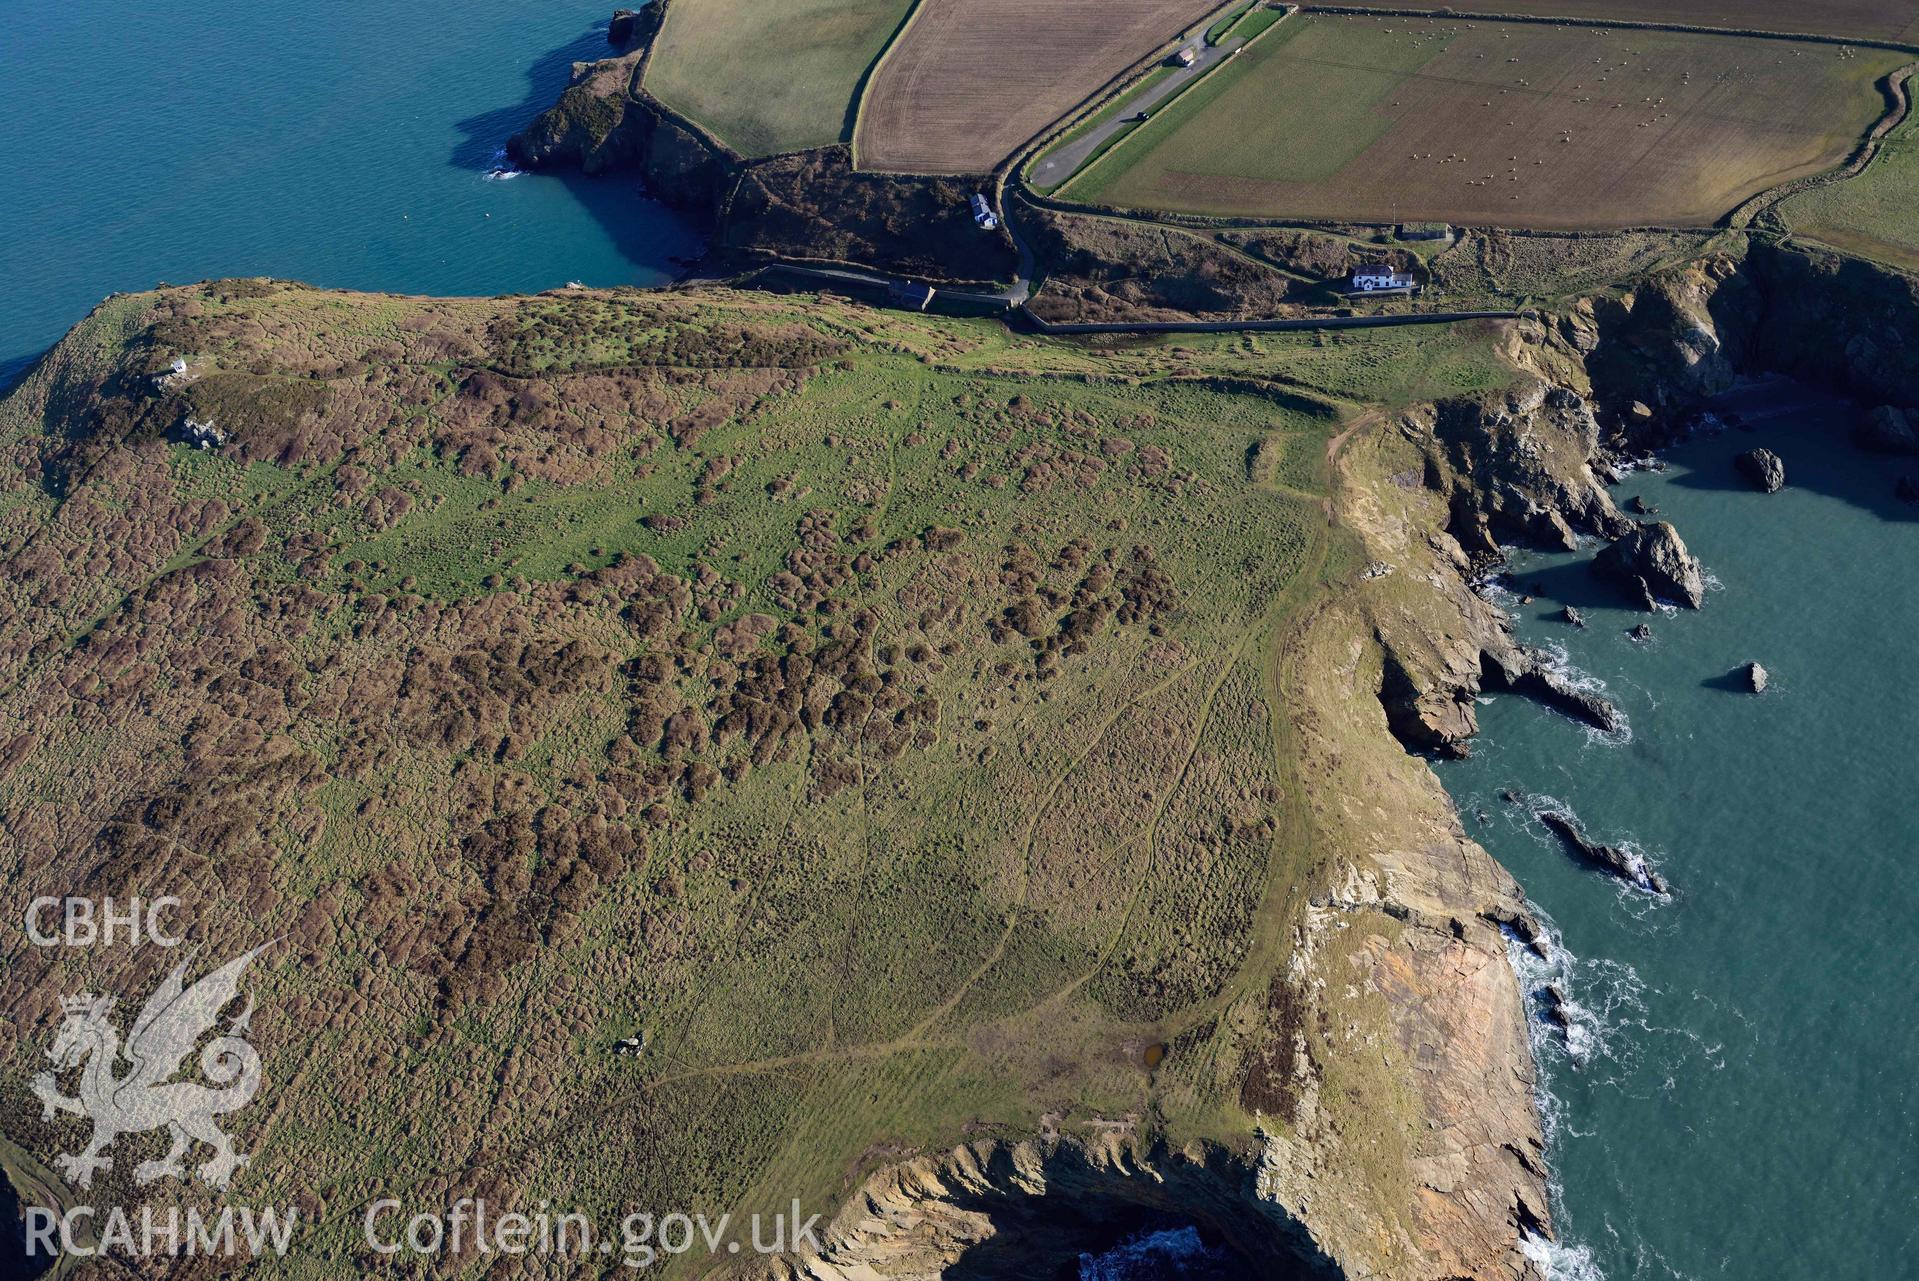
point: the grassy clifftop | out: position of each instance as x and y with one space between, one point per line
885 719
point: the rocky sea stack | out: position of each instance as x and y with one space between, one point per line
1622 863
1651 562
1763 468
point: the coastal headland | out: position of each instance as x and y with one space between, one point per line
742 746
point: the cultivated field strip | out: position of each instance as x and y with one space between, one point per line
970 80
1489 123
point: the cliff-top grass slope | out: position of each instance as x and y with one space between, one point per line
769 78
970 80
1860 19
1509 124
896 732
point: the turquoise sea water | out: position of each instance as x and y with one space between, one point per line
1745 1107
344 144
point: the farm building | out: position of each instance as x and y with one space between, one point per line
983 213
1370 280
1186 57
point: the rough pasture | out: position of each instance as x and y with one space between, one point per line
1504 124
969 82
1861 19
770 78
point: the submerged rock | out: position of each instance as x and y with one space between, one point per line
1652 564
1573 616
1552 1005
1757 678
1763 468
1624 864
1888 430
1643 632
1641 507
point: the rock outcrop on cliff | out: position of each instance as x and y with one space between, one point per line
1518 467
1651 563
594 127
808 206
998 1209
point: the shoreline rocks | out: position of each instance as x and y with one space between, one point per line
1623 864
1763 468
1530 672
1887 430
1651 562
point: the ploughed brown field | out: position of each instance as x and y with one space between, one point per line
971 80
1862 19
1495 123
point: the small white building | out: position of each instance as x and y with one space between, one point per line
983 213
1370 280
1186 57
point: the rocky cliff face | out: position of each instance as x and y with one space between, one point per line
809 205
1614 377
1030 1208
1400 951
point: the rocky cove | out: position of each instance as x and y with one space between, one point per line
1435 494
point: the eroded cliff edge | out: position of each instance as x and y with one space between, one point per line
804 206
1402 940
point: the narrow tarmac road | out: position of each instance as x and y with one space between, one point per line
1063 162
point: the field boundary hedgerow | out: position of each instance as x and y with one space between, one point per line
1619 24
1764 208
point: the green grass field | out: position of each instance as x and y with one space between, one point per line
1875 214
770 78
1378 119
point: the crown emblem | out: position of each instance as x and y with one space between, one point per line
80 1004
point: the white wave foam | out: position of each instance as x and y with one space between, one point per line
1555 658
501 170
1634 894
1560 1260
1172 1252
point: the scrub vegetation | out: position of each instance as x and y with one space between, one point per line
880 717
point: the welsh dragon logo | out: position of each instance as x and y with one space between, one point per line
146 1097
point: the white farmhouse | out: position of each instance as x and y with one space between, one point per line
1369 280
